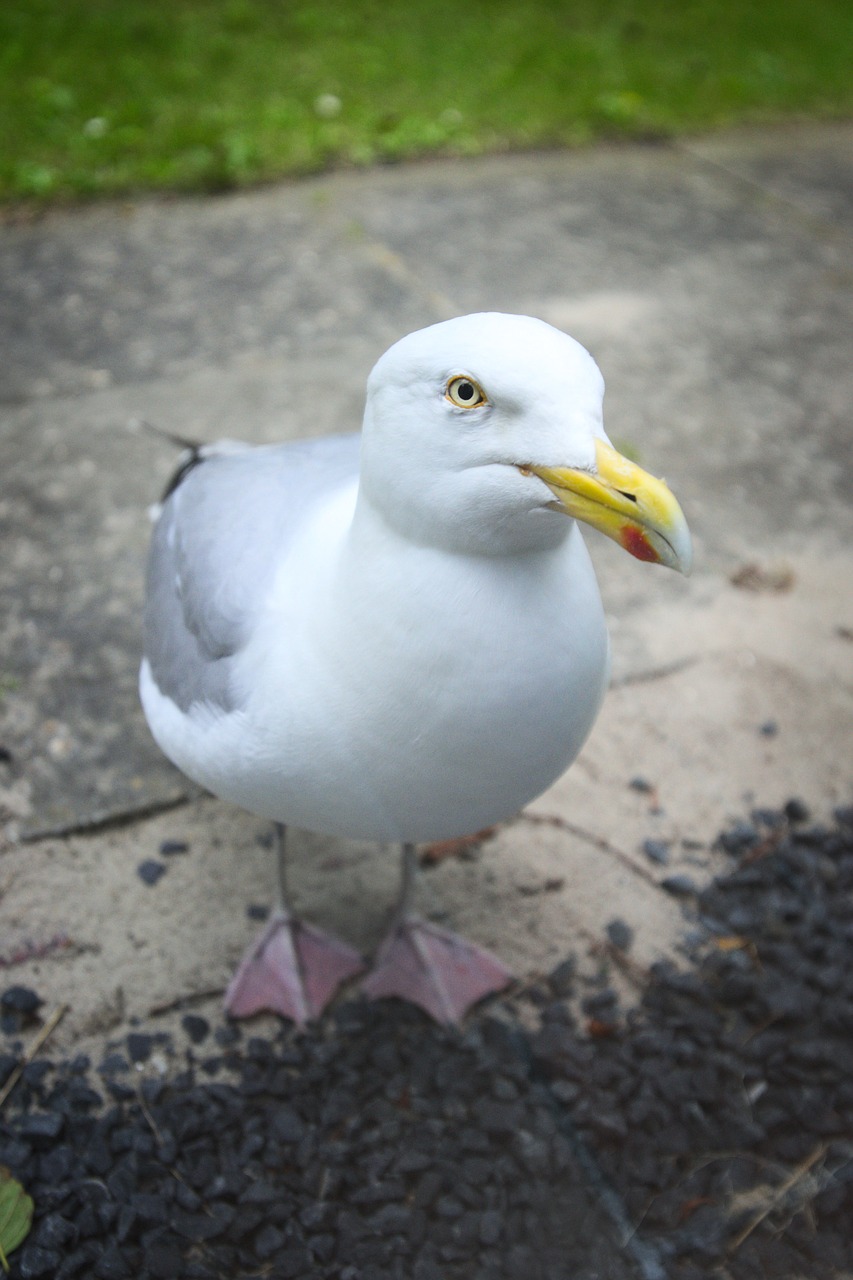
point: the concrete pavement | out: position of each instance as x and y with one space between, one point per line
712 283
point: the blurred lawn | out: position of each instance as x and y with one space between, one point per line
108 96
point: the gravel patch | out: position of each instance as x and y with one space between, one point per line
708 1128
721 1107
375 1146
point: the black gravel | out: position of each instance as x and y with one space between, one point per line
169 848
721 1107
707 1130
151 871
376 1146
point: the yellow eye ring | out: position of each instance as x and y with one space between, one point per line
465 393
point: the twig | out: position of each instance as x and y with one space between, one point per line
777 1196
143 1105
181 1002
553 820
656 673
30 1052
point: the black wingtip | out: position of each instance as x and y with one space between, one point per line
182 471
193 449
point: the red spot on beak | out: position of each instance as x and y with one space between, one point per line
636 542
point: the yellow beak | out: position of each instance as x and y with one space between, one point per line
625 503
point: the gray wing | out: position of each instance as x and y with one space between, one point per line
214 551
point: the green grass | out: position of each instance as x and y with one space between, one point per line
111 96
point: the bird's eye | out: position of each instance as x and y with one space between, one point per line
465 393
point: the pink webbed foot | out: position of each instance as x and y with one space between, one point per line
292 969
436 969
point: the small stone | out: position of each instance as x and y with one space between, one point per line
139 1046
768 729
268 1241
197 1028
78 1262
391 1219
35 1072
679 886
151 871
163 1261
54 1232
620 934
287 1126
771 818
257 911
656 851
490 1227
562 979
642 785
57 1165
323 1247
34 1262
20 1000
119 1091
739 837
228 1035
112 1265
448 1206
41 1127
169 848
114 1064
796 810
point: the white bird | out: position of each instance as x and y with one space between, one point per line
397 636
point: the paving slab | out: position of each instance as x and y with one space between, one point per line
721 318
807 170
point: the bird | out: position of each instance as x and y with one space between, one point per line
396 635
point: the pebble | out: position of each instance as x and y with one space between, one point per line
21 1000
41 1128
680 886
169 848
656 851
796 811
139 1046
740 836
562 979
197 1028
112 1265
34 1262
151 871
114 1063
620 934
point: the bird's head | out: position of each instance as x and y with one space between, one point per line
478 429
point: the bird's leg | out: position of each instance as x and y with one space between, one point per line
291 968
429 966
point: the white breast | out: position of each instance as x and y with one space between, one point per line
421 696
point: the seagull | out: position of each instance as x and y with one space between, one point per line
396 635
